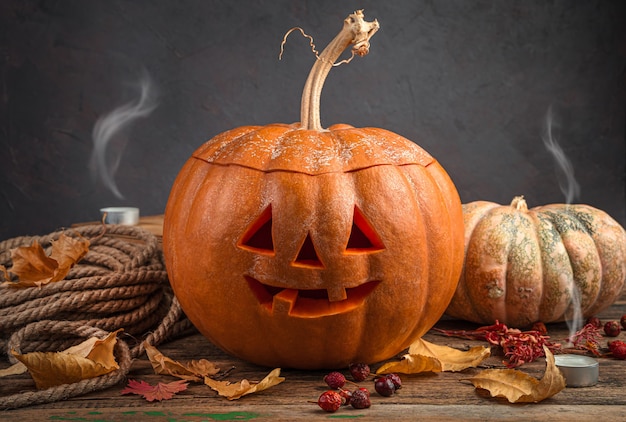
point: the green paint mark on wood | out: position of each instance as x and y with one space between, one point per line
229 416
154 413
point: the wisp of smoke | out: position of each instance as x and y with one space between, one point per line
570 187
571 190
104 162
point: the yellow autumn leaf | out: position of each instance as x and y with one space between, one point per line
81 349
411 364
194 370
15 369
102 351
33 267
233 391
67 251
519 387
451 359
49 369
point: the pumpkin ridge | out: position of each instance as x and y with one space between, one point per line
563 227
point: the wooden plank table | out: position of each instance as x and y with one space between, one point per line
441 396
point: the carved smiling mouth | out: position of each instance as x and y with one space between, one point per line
308 303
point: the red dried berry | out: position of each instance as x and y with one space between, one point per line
359 371
540 327
612 328
365 390
618 349
346 396
622 321
360 399
335 380
395 378
330 401
595 321
384 386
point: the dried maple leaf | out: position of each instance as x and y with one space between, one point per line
518 387
33 267
161 391
49 369
195 370
233 391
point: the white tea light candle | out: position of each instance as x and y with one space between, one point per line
579 371
128 216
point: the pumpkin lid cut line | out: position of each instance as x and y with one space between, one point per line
281 147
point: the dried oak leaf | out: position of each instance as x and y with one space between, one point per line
33 267
411 364
195 370
518 387
233 391
451 359
428 357
90 359
81 349
161 391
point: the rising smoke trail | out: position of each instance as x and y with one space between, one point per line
104 162
569 187
571 190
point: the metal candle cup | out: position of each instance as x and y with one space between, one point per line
121 215
579 371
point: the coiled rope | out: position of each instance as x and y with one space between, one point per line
120 283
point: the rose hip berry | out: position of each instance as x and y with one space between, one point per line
346 396
359 371
618 349
335 380
612 328
622 321
395 378
360 399
540 327
365 390
595 321
330 401
384 386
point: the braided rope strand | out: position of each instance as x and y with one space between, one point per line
120 283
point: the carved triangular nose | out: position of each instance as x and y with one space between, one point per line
307 256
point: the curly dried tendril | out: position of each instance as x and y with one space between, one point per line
360 48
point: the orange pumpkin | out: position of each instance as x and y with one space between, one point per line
551 263
296 246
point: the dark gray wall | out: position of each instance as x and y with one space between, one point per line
470 81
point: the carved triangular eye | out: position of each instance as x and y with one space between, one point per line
307 257
258 236
363 237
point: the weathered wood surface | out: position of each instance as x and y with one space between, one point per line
442 396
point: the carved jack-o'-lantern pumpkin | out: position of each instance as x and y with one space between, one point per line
296 246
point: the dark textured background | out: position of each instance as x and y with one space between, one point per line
470 81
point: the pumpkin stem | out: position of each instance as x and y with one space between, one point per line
355 31
519 203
